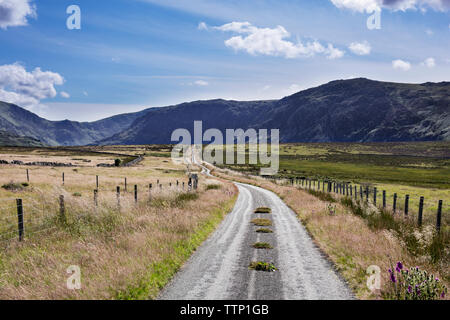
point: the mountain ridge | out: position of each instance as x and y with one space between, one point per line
353 110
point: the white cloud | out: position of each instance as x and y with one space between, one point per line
64 94
360 48
14 13
401 65
293 88
201 83
202 26
429 62
25 88
272 42
396 5
429 32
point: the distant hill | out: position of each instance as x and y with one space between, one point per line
21 122
11 140
356 110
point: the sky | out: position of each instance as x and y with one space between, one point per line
127 55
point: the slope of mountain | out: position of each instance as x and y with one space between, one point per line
21 122
356 110
11 140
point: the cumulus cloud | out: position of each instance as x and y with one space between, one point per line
396 5
401 65
360 48
429 62
25 88
273 42
15 13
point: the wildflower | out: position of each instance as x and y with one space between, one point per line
409 289
443 294
393 279
399 266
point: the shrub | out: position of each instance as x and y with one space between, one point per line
414 284
13 186
117 162
76 194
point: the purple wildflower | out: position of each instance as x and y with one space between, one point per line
409 289
399 266
393 279
443 295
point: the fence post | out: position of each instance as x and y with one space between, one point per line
62 208
439 216
20 218
135 194
356 193
125 184
394 205
28 176
406 204
384 199
361 193
375 196
95 197
96 180
63 178
118 197
420 211
351 191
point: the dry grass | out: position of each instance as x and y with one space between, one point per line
115 249
345 238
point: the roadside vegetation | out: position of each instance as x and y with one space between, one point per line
125 249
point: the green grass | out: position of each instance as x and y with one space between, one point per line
213 187
262 266
263 210
262 245
264 230
262 222
160 273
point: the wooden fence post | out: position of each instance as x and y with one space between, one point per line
406 204
96 180
28 176
118 197
439 216
20 218
62 208
361 193
420 211
356 193
96 197
135 193
125 184
351 191
394 205
384 199
63 178
375 196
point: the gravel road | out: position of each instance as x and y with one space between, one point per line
218 270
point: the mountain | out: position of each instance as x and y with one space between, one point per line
356 110
11 140
21 122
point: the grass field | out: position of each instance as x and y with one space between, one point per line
124 252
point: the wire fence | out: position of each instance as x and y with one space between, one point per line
27 216
418 208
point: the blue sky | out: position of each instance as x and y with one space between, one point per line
132 54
